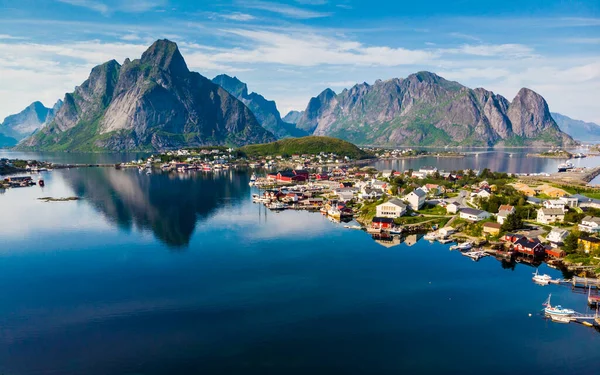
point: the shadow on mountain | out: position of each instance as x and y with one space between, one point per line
167 204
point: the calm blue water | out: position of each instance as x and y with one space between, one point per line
172 274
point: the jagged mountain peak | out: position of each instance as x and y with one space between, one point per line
151 103
165 55
427 109
232 84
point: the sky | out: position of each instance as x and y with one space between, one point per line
290 51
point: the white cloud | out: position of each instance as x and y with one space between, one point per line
90 4
128 6
284 9
237 16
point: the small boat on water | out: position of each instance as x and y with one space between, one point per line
475 255
276 206
431 236
558 313
541 279
462 246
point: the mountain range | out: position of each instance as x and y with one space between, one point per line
151 103
580 130
16 127
428 110
264 110
156 103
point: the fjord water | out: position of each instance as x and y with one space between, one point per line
179 274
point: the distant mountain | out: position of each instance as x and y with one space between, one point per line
427 110
265 110
23 124
306 145
293 116
580 130
153 103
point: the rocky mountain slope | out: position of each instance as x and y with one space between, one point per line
428 110
152 103
264 110
293 116
16 127
580 130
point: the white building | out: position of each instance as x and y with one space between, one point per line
557 235
550 215
393 208
472 214
554 203
503 213
415 199
453 208
590 224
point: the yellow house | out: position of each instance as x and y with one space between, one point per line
554 192
589 244
492 228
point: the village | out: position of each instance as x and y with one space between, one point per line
494 212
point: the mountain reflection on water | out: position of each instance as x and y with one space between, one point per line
167 204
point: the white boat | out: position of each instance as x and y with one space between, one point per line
431 236
558 313
276 206
462 246
541 279
475 255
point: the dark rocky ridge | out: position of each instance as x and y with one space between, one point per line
264 110
153 103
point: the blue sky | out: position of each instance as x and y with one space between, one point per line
291 50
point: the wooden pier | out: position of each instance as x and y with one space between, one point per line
584 282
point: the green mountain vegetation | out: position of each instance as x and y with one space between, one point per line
305 145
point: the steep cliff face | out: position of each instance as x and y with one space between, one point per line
21 125
264 110
425 109
148 104
316 108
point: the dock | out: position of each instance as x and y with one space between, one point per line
584 282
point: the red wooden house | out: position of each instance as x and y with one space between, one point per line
382 223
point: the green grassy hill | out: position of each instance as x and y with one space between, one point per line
305 145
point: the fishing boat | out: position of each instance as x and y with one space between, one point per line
558 313
541 279
462 246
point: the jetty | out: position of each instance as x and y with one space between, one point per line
584 282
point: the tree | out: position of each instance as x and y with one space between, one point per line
570 243
512 222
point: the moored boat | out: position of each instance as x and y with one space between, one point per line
541 279
557 313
